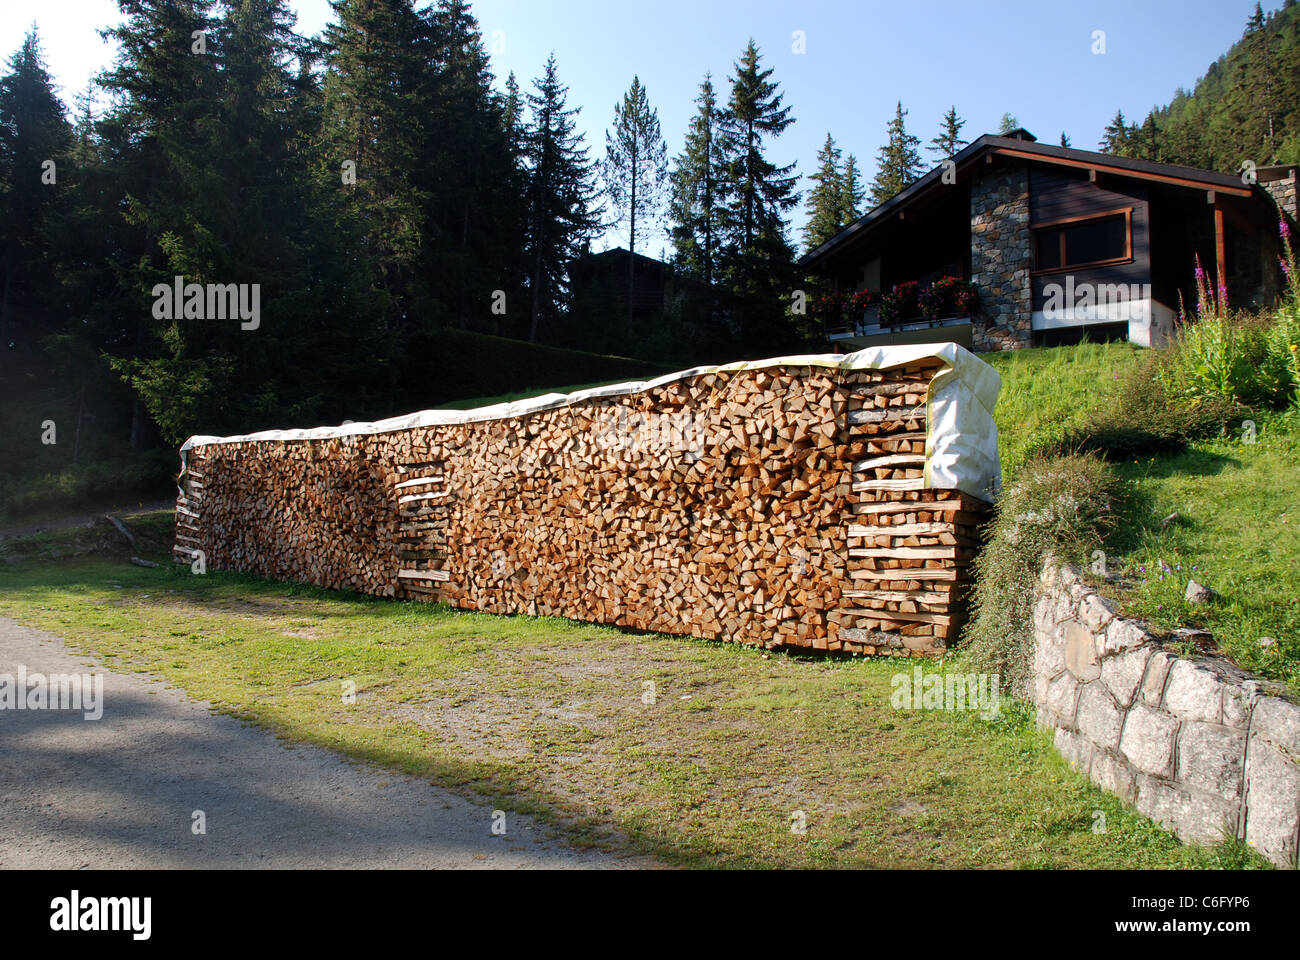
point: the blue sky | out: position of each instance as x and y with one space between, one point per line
1032 58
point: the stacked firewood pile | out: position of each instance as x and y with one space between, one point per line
783 507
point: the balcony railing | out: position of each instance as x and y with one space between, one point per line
870 325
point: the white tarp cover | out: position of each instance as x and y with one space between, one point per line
961 449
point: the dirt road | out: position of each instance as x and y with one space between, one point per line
123 791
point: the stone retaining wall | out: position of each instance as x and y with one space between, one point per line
1198 745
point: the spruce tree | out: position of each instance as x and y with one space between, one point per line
34 133
469 163
635 170
1118 136
563 210
898 163
949 140
826 198
158 141
697 182
851 192
1257 84
375 82
758 257
760 191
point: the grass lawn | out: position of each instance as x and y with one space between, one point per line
1237 531
1238 524
1048 390
547 716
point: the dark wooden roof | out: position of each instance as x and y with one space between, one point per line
1017 147
616 253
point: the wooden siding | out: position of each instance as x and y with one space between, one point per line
1061 194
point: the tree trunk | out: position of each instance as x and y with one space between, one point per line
139 426
4 301
631 260
536 291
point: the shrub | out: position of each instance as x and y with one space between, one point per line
1061 507
1144 420
1226 357
87 485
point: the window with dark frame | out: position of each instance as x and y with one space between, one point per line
1083 242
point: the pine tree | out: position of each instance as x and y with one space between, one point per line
1008 124
563 201
33 133
635 171
949 142
1065 141
697 184
898 163
761 192
1118 136
469 163
1257 84
758 257
375 121
826 199
851 192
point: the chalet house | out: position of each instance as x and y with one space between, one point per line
603 279
1057 243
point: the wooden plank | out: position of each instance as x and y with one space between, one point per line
415 497
930 597
906 553
916 483
892 437
888 460
902 529
439 575
918 617
418 481
888 388
920 573
1139 174
1220 254
888 415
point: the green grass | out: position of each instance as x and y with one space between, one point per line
1237 532
1238 525
1047 391
546 716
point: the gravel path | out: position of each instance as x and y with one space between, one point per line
120 792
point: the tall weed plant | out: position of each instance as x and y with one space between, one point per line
1221 355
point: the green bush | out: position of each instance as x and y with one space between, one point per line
149 475
1062 507
1228 358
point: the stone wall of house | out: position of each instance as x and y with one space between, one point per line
1283 192
1198 745
1001 256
